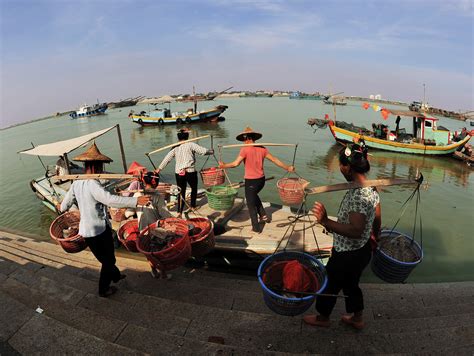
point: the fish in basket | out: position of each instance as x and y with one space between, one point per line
212 176
128 234
165 243
291 190
64 230
221 197
395 257
290 281
201 234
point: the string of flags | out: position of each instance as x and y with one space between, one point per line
383 111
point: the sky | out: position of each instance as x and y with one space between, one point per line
58 54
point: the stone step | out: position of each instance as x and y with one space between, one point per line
44 335
13 315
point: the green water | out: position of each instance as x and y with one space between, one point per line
447 204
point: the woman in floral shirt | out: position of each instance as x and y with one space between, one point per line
358 216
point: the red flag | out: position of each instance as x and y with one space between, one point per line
366 106
385 113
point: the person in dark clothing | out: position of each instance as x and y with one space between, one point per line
359 216
253 157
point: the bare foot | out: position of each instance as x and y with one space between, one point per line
316 320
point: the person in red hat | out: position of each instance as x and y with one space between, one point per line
92 200
253 158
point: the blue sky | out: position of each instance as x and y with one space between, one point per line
58 54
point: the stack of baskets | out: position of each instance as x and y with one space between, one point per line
128 234
270 276
291 190
201 235
212 176
391 269
69 221
221 197
175 254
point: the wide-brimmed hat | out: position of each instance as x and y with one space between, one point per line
136 168
249 132
93 154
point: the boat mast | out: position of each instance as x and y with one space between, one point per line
195 100
122 152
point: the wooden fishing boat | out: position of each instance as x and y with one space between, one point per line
464 157
52 191
427 138
166 117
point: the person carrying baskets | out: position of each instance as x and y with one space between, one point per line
92 200
185 170
253 158
359 215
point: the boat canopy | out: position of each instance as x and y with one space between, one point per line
64 147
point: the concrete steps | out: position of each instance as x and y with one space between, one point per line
182 315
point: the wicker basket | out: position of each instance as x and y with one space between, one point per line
164 190
68 220
212 176
221 197
270 274
390 269
175 254
128 234
118 215
291 190
202 236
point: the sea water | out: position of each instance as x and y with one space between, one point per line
446 205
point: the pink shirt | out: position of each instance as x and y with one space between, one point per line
253 159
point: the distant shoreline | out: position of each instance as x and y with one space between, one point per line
26 122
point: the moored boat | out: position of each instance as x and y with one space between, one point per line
87 110
166 117
426 138
303 96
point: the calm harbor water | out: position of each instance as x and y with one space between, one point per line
447 204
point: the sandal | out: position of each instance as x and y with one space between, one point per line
348 320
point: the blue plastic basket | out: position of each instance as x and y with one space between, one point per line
291 306
390 269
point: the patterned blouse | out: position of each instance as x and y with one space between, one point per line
359 200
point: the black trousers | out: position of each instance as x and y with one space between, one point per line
190 178
254 204
344 270
102 246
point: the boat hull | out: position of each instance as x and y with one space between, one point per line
205 116
343 135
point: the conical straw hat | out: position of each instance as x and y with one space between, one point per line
250 132
93 154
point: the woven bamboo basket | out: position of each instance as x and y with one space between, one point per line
164 190
175 254
69 220
221 197
201 236
212 176
128 234
118 215
291 190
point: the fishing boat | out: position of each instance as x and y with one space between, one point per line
465 158
52 191
335 100
426 138
297 95
87 110
164 116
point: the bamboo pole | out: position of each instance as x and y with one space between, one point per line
92 176
122 152
259 144
177 144
352 185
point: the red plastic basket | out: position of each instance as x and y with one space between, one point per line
71 244
128 233
202 236
212 176
291 190
176 253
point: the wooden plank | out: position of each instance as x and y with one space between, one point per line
92 176
352 185
259 144
177 144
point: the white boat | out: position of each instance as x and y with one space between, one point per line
87 110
